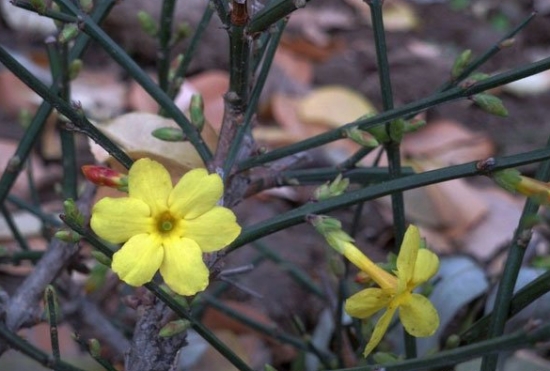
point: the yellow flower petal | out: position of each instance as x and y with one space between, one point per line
150 182
117 219
361 261
183 269
419 317
195 193
213 230
138 259
367 302
407 256
379 330
427 264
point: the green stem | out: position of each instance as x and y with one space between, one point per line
505 290
165 34
52 320
352 161
408 109
51 96
49 13
518 340
33 131
181 71
13 227
527 295
130 66
359 175
299 214
33 352
254 98
272 331
35 210
497 47
222 8
272 13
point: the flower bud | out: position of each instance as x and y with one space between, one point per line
74 68
71 211
490 104
169 134
104 176
174 328
68 33
196 111
332 189
513 181
147 23
361 137
461 62
94 347
68 236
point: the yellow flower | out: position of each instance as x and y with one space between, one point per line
414 267
165 228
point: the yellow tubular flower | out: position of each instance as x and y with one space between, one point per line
164 227
414 267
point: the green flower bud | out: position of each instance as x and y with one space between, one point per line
72 212
174 328
74 68
68 33
196 111
461 62
361 137
490 104
68 236
94 347
147 23
331 189
169 134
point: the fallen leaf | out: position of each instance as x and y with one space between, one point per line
132 132
333 106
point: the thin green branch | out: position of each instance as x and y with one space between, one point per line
518 340
273 13
525 296
35 210
78 119
88 26
505 291
13 228
491 52
51 305
298 215
21 345
408 109
272 331
49 13
360 175
32 133
177 81
165 34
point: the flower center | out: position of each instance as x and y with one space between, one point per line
165 222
